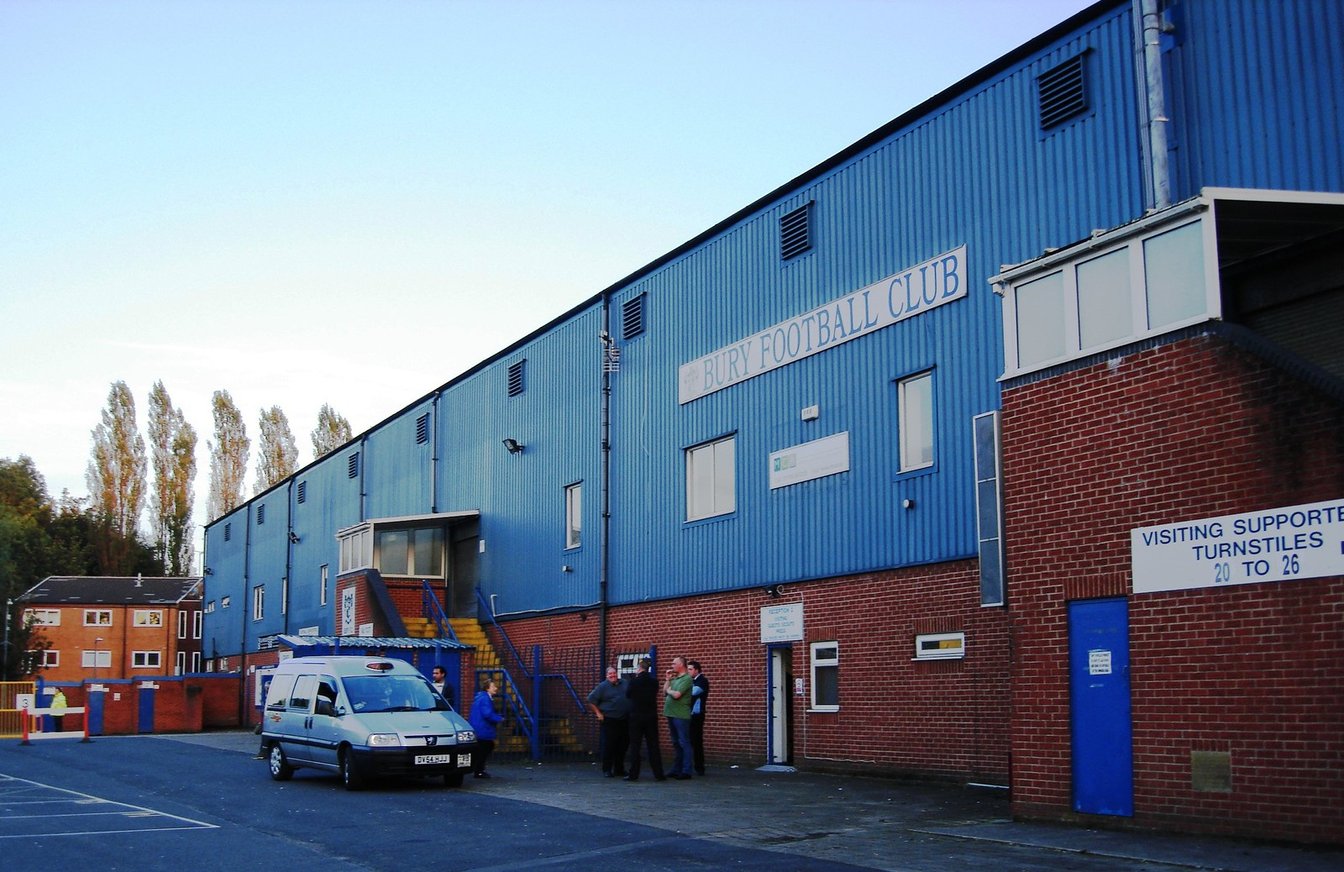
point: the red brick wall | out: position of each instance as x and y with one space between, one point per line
1197 428
946 718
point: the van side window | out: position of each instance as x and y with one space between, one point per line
278 694
326 690
302 698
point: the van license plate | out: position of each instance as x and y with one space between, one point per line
432 759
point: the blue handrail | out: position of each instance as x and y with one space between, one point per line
432 609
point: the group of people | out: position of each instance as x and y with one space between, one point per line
627 714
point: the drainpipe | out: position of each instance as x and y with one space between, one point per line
1155 88
243 608
289 554
607 343
363 464
434 453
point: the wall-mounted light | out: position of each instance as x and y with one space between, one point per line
907 503
514 446
209 571
293 538
772 591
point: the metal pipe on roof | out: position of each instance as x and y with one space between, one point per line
1155 87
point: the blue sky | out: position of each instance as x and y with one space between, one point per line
353 202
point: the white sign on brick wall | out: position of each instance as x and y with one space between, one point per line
1284 544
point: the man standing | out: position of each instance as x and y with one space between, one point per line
612 708
699 697
440 682
643 695
677 709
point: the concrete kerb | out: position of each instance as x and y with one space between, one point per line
854 819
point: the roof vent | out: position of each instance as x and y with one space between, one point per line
795 232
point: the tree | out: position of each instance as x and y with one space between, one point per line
173 449
277 452
228 456
332 431
116 480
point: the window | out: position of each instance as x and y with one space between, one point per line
940 646
574 515
145 659
147 618
826 676
42 617
515 383
224 601
323 594
181 666
96 659
45 659
415 551
181 625
258 602
196 619
795 232
356 547
915 424
210 607
988 507
97 618
195 661
710 479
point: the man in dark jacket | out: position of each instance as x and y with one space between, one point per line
643 696
699 698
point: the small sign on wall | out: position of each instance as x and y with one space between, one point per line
1098 662
348 612
783 623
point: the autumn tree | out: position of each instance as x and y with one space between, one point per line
228 456
173 453
276 451
116 480
332 431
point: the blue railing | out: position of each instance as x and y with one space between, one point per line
432 610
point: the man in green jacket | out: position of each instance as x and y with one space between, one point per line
677 710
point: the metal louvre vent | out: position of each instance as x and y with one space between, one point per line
632 318
795 233
261 514
422 429
302 492
352 465
516 378
1062 92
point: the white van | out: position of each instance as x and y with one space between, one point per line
361 717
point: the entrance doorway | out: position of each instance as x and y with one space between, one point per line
1103 751
779 730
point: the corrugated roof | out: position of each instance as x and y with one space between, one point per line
367 642
112 590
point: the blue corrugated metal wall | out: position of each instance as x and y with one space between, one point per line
1253 91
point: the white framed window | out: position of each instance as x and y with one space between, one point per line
147 618
825 676
416 551
181 624
181 666
146 659
96 659
196 620
259 602
97 617
42 617
224 601
356 547
323 586
45 659
195 661
711 472
574 515
210 607
915 421
940 646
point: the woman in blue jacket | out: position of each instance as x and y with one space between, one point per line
483 718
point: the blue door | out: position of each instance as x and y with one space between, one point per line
93 700
1103 753
146 721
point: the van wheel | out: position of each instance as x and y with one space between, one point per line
350 776
280 768
454 779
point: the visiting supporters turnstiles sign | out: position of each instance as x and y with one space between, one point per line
1282 544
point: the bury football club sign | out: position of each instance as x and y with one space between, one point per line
1282 544
905 294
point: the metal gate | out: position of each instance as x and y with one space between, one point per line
11 720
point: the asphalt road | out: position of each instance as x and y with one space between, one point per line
153 803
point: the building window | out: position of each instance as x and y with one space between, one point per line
825 676
97 618
196 620
45 659
988 507
42 617
356 547
915 421
181 625
574 515
323 593
940 646
259 602
181 663
515 384
147 618
416 551
195 661
224 601
711 479
145 659
96 659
